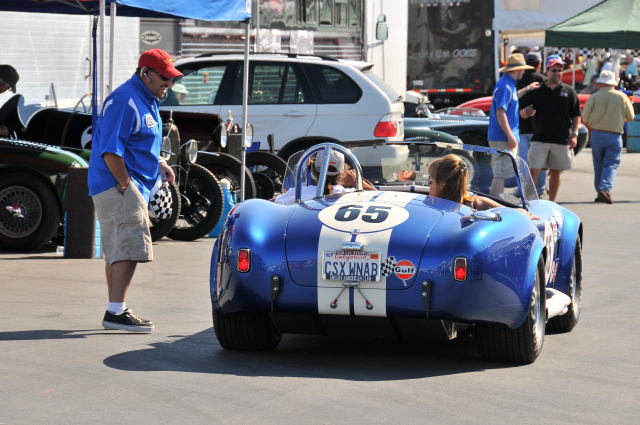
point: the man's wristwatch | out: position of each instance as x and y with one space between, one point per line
575 132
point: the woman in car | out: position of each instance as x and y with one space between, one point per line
336 178
449 178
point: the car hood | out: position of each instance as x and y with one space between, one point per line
384 222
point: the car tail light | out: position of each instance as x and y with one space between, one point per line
244 260
460 269
386 127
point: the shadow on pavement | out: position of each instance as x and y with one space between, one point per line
311 357
41 334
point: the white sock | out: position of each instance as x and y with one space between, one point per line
116 308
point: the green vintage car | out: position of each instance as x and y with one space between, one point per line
33 181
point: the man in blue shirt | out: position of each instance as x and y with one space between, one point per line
504 118
124 166
632 68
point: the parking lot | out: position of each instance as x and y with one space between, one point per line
57 364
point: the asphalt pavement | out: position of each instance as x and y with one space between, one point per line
57 364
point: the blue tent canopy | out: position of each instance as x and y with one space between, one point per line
207 10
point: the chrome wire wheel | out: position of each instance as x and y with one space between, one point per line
21 211
576 290
536 317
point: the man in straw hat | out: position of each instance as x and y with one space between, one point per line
504 118
555 126
605 112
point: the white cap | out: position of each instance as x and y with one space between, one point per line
336 162
179 88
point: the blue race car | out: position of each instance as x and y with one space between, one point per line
398 263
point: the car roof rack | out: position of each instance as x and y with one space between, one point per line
290 55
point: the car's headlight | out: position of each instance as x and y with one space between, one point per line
190 150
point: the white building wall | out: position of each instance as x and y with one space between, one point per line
52 48
390 58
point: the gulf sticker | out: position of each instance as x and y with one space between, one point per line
404 270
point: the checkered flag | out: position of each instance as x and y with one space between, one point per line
160 201
387 267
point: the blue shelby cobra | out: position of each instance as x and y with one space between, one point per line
397 262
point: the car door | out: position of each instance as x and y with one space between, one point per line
279 102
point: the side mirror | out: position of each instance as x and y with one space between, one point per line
382 30
249 137
223 135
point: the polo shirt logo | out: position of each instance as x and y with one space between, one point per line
150 122
564 94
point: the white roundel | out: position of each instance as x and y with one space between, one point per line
363 216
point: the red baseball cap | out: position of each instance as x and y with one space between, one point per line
160 61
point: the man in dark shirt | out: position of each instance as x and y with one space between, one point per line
526 124
555 126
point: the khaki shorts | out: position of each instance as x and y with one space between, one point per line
502 166
550 156
124 225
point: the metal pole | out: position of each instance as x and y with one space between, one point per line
112 41
101 59
575 62
245 101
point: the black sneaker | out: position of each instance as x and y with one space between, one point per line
127 321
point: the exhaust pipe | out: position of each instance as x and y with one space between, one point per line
557 303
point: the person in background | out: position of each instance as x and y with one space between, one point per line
8 79
526 124
605 112
504 117
632 68
555 126
589 69
449 179
181 93
124 166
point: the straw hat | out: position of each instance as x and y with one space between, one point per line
514 63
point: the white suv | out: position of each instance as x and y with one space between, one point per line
302 100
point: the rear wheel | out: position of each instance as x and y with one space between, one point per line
268 171
226 166
29 212
158 227
246 331
524 343
569 320
203 210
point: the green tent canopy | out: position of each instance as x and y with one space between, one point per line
610 24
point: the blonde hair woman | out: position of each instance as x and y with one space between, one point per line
449 178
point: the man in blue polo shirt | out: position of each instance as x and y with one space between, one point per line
125 163
504 118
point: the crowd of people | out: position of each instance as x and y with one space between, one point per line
538 118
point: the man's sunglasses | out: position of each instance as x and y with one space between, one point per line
554 70
163 78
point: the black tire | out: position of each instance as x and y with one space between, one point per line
40 209
265 186
268 164
524 343
206 202
226 166
160 228
569 320
246 331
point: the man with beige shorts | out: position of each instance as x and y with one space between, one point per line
555 126
124 166
504 118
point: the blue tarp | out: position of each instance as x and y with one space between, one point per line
207 10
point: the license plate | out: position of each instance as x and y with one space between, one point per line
351 265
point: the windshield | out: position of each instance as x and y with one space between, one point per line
408 165
405 167
35 98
